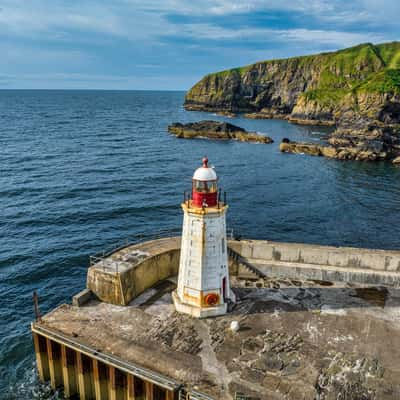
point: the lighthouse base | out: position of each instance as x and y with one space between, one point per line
198 312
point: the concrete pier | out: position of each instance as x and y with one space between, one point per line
86 375
125 274
325 263
121 338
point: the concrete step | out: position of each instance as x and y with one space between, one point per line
246 269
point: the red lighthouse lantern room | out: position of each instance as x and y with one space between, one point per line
204 188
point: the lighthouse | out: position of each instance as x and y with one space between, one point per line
203 280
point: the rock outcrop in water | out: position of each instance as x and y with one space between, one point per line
216 130
355 89
370 143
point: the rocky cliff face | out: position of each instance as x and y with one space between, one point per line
359 81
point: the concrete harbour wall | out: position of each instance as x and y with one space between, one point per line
327 263
121 287
344 257
291 260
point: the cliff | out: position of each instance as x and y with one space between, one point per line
358 82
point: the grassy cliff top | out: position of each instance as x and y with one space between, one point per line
365 67
385 54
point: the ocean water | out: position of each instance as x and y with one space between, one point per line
83 170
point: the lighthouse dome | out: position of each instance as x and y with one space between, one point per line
205 173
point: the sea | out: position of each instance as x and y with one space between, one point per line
83 171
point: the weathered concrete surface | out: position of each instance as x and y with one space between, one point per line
298 340
125 274
128 272
309 261
82 297
328 273
385 260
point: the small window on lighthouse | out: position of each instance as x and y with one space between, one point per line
205 186
223 245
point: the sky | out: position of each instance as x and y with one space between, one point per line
171 44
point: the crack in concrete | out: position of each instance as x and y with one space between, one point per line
210 361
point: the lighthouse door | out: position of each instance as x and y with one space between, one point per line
224 288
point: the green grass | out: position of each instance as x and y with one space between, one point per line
365 68
390 54
326 97
361 68
386 81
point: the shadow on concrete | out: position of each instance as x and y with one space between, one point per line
324 298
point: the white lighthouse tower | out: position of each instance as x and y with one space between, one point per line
203 280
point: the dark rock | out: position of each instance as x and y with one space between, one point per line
300 148
216 130
396 160
315 90
227 114
362 143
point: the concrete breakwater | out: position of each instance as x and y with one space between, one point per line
122 276
328 263
125 274
122 338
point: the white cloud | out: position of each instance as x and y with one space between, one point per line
212 32
338 11
319 8
329 37
94 35
38 17
139 20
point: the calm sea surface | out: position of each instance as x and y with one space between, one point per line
83 170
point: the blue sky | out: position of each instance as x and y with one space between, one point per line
170 44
